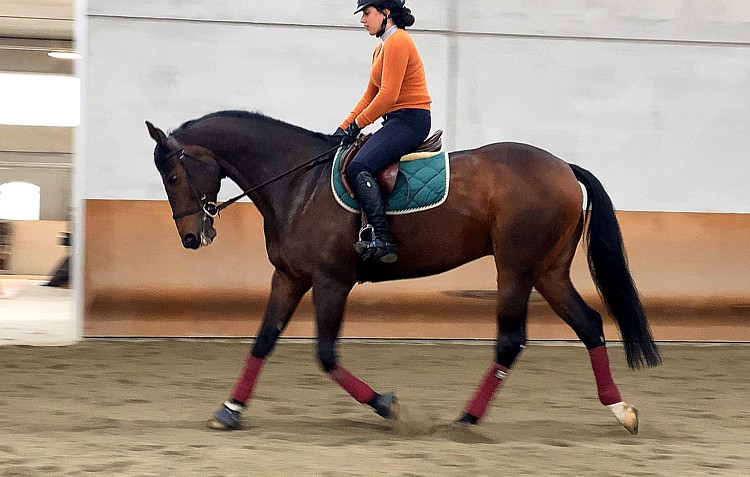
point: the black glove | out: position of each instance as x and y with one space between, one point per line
339 132
350 134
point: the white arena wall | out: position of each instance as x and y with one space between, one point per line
650 95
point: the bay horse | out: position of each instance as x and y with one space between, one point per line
514 201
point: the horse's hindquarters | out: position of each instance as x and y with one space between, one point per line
516 201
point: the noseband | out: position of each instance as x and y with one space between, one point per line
207 207
210 208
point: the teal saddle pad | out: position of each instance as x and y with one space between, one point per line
422 184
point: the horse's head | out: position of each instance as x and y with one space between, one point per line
192 177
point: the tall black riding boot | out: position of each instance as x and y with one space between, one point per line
381 248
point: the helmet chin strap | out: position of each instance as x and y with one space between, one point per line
384 24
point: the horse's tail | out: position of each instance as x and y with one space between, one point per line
609 270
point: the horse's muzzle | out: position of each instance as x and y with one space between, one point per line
191 241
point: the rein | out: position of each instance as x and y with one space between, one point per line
211 209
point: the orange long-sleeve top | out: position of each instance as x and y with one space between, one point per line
397 81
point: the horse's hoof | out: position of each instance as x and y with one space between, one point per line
225 419
627 415
467 419
386 405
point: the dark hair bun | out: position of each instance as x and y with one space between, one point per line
402 16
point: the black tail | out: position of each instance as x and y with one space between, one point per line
609 270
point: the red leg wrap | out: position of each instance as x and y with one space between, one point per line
351 384
485 392
243 390
608 392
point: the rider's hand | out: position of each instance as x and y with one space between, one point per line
339 132
350 134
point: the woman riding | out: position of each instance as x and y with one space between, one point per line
397 92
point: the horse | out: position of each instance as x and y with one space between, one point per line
514 201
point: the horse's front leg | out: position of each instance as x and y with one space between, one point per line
286 293
329 299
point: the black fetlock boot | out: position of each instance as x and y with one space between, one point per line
381 248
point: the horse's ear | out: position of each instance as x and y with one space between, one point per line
157 134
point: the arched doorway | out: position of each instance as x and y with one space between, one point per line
19 201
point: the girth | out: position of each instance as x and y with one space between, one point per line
386 177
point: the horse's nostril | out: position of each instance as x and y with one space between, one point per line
190 241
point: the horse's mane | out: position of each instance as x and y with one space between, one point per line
254 116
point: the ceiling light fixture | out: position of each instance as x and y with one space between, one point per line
64 55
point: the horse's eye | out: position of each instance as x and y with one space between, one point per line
173 179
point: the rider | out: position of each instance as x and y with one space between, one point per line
397 91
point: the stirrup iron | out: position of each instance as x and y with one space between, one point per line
366 235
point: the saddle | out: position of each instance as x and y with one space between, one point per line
386 177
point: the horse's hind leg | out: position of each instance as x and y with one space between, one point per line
512 309
329 300
286 293
556 287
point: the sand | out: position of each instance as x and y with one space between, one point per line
138 408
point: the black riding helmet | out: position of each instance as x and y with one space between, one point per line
362 4
380 5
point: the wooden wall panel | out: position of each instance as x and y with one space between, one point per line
692 271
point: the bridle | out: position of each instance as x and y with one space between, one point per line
207 207
210 208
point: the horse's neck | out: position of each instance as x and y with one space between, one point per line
284 197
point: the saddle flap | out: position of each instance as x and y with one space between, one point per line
387 179
351 151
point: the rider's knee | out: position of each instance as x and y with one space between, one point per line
354 169
327 355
